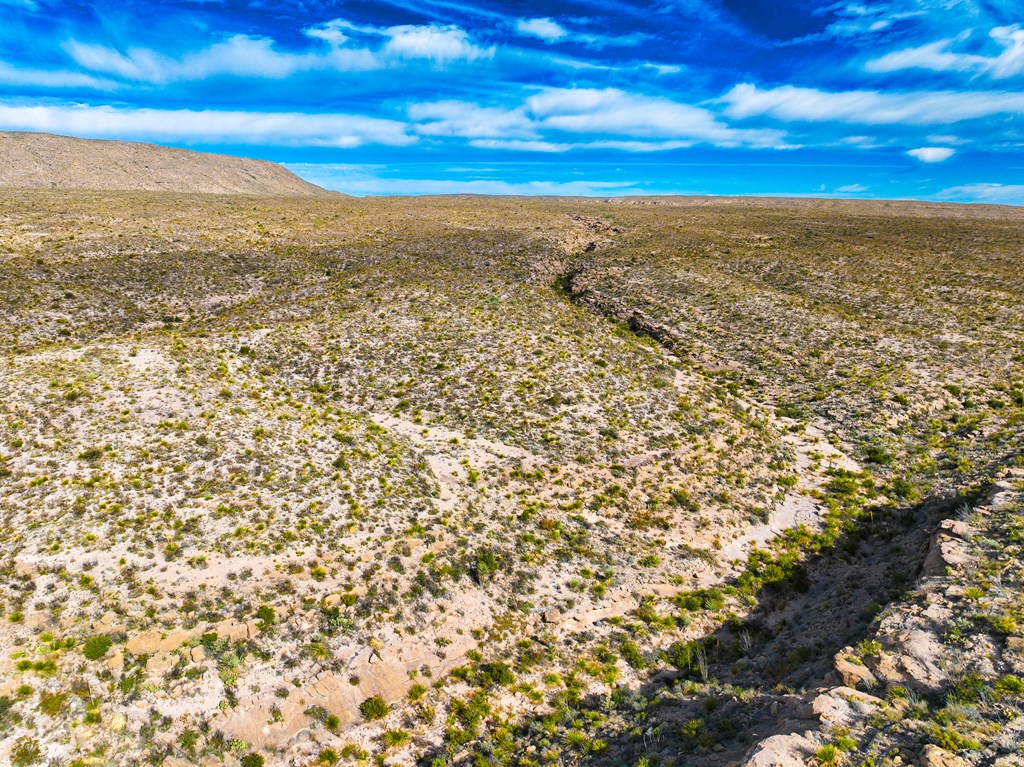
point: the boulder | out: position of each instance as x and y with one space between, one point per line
844 706
174 640
782 751
853 674
147 643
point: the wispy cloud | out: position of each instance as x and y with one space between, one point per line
59 79
208 126
240 56
620 113
468 120
939 56
259 57
791 103
367 180
554 118
1001 194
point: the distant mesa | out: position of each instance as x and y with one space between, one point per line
47 161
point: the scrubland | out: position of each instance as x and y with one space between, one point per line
509 481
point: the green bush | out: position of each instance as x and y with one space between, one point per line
373 708
96 647
252 760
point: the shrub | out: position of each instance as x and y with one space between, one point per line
252 760
1010 685
26 751
328 756
52 703
395 738
96 647
827 755
373 708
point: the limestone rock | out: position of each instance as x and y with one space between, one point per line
147 643
232 631
917 664
553 616
174 640
844 707
948 550
107 624
782 751
161 663
853 674
933 756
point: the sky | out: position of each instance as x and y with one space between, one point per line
895 99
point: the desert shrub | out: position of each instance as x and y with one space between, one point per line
491 674
252 760
395 738
26 751
52 703
827 755
373 708
1010 685
96 647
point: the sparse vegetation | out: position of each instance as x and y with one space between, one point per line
436 478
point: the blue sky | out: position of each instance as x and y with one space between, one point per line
893 99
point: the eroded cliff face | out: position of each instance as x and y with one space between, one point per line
939 680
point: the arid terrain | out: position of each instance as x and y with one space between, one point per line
499 481
48 161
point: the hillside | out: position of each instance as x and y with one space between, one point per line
46 161
453 481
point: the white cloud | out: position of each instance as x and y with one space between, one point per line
544 28
330 32
931 153
620 113
938 56
239 55
439 44
1000 194
851 189
248 56
468 120
870 107
607 118
207 126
